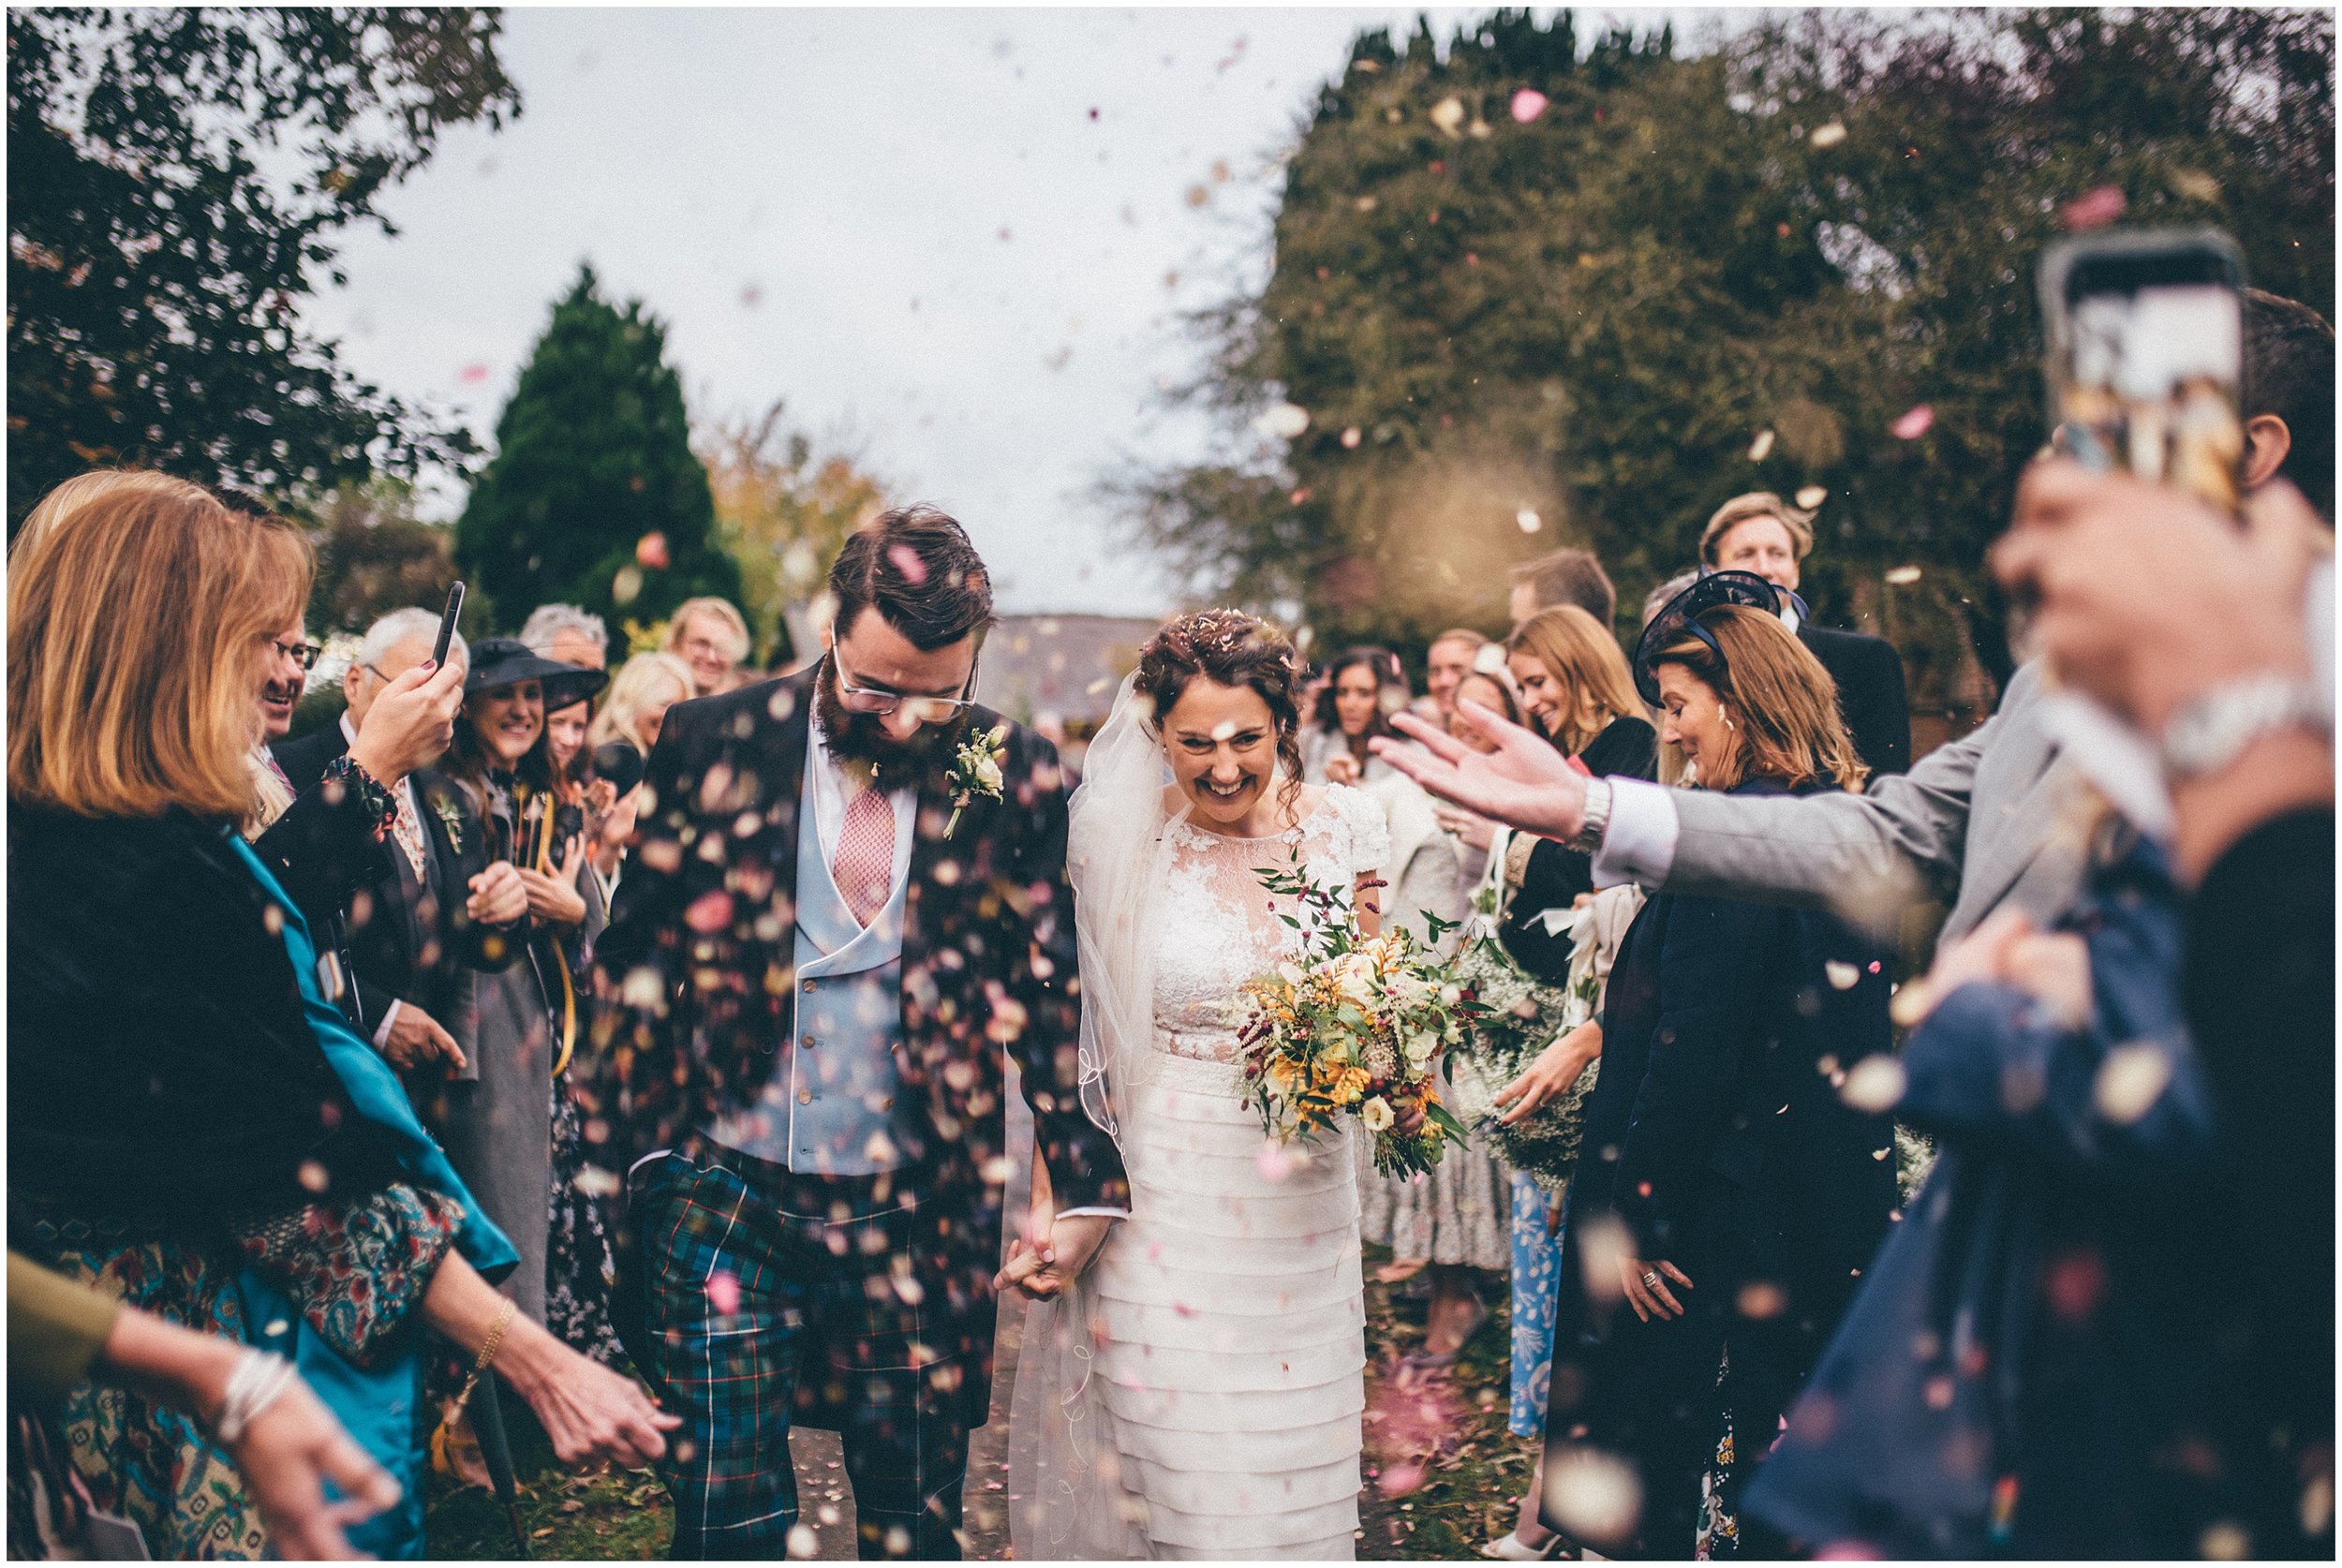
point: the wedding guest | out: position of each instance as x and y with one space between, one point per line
1363 687
1670 770
495 1113
644 687
2132 1413
287 1445
195 1128
712 638
1727 1200
406 933
1446 662
1563 577
1760 532
1576 692
565 633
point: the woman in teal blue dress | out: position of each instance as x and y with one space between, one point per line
194 1128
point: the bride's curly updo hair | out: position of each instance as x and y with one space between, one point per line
1229 648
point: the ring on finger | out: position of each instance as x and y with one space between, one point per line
1649 1281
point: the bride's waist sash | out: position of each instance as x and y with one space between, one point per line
1192 1059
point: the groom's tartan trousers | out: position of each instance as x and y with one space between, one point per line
769 1293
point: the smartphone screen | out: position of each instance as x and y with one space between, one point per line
2146 356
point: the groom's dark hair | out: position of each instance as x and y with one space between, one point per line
915 567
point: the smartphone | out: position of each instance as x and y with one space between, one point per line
447 624
2145 356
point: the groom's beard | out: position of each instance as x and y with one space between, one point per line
859 737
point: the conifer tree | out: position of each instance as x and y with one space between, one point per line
594 496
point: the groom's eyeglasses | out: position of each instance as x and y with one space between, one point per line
878 703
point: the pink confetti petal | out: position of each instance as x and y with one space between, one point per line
2094 209
723 1292
907 561
1914 424
650 552
1275 1162
1528 104
472 375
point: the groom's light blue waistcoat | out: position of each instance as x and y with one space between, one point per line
832 1106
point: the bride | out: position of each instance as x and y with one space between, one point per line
1198 1392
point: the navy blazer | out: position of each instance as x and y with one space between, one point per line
1717 1137
2020 1376
1873 698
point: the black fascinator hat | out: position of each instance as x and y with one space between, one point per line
1681 618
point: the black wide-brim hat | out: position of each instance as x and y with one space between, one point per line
498 662
1681 618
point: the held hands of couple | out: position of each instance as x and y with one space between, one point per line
1042 1265
410 723
1526 782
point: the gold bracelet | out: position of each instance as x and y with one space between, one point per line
487 1354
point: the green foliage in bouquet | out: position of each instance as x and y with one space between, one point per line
1519 1018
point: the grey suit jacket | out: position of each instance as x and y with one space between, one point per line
1993 818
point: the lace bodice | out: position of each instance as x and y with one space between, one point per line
1217 927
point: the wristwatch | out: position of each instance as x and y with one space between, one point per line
2212 730
1597 818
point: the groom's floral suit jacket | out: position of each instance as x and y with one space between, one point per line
698 964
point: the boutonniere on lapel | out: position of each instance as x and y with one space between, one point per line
976 771
449 819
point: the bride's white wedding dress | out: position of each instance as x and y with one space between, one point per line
1230 1308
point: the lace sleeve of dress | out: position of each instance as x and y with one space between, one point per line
1362 833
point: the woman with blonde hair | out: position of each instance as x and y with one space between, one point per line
1576 690
1727 1201
197 1131
640 694
711 637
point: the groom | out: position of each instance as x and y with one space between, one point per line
833 924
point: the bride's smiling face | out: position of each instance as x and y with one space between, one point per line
1223 745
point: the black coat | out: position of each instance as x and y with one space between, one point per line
1716 1136
323 849
399 941
1872 696
161 1065
1627 748
697 968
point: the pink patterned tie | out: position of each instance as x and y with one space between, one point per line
865 866
407 830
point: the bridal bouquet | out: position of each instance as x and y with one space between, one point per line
1354 1025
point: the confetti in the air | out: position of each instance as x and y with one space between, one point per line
1282 421
1828 134
1527 105
907 561
1448 115
751 295
1913 424
723 1292
1760 448
1842 977
1594 1496
627 586
2129 1081
472 375
1365 203
650 552
2094 209
1197 195
1903 576
1875 1084
1529 520
1812 497
1276 1161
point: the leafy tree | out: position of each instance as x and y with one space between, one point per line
594 496
376 556
783 511
1599 311
176 179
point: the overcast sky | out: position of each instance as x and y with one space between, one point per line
956 241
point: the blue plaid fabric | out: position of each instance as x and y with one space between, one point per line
769 1296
